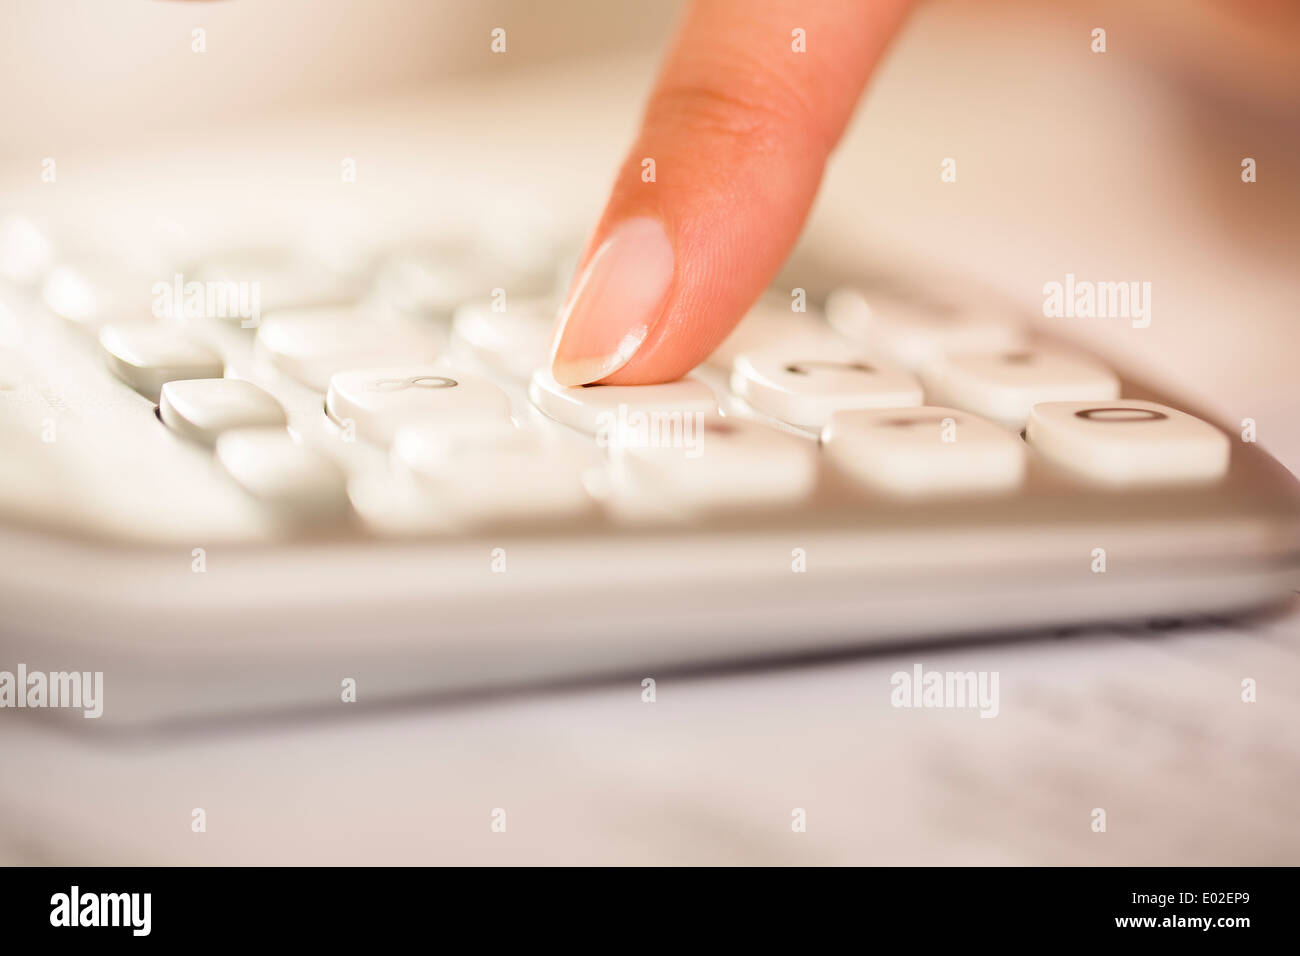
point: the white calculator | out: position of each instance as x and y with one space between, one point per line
371 477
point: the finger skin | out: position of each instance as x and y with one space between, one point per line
739 126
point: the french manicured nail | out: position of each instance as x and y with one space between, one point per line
615 303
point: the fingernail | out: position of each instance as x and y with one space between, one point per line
615 303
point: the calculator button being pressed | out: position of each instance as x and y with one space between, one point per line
913 335
928 450
147 356
203 408
600 409
717 463
1003 386
804 386
272 467
310 345
1128 442
378 400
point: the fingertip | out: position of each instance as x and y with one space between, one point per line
713 194
616 302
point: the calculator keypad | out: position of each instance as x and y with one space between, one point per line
492 473
1128 442
201 409
378 400
912 335
310 345
900 398
1004 386
716 463
928 450
805 385
148 356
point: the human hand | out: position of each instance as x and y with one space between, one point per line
717 186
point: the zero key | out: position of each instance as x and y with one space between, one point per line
1128 442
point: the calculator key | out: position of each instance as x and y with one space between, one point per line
912 334
601 409
203 408
1128 441
718 463
804 386
274 468
377 400
1003 386
924 451
492 472
772 323
513 341
310 345
147 356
